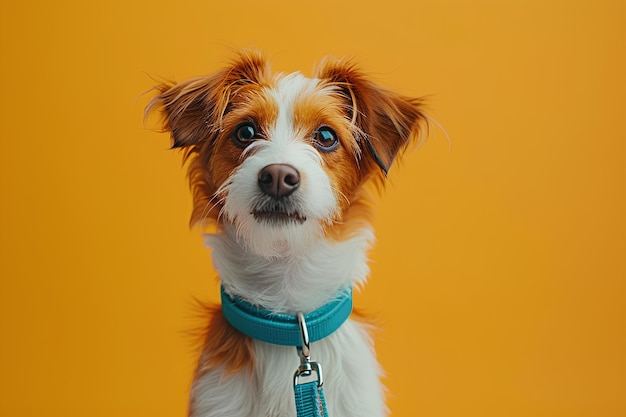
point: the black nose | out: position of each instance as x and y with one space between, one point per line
279 180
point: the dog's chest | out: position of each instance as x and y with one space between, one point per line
351 380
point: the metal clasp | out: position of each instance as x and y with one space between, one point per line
307 367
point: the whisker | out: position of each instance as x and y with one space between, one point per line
211 203
338 191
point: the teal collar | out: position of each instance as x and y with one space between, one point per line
283 329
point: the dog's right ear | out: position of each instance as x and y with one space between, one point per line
387 122
192 110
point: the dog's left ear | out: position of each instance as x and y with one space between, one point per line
386 122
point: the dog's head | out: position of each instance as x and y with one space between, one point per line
284 159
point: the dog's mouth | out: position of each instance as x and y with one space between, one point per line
278 217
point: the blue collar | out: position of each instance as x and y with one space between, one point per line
283 329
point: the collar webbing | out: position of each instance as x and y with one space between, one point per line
283 329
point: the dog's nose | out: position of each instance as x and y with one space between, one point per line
279 180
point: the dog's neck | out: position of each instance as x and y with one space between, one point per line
292 283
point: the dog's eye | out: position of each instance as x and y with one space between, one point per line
244 133
325 139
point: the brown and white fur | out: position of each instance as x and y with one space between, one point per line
283 167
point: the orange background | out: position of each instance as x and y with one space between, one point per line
499 272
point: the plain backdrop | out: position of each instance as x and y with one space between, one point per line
498 275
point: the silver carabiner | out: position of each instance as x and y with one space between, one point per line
307 367
306 370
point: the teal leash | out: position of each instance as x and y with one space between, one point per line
299 331
310 400
309 396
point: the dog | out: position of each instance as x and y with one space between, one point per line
284 168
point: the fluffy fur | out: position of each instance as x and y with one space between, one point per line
338 133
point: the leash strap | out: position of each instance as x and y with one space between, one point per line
309 396
310 400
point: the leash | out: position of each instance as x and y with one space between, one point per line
299 331
309 396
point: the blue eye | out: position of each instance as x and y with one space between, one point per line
325 139
244 133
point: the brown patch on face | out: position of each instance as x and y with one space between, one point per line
198 114
215 163
325 108
354 177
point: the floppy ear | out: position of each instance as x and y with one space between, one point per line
387 122
193 109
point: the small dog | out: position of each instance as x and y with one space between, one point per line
284 168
